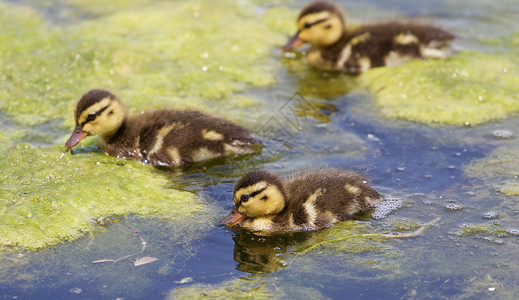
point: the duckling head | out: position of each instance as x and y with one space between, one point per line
98 112
257 194
320 24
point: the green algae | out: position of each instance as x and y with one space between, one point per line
185 56
467 89
250 287
48 196
498 170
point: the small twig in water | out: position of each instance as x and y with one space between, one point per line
143 242
374 235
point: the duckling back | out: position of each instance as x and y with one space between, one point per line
321 198
388 44
171 138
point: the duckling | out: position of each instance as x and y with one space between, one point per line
266 203
321 24
163 137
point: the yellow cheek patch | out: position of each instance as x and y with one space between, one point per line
211 135
249 190
93 109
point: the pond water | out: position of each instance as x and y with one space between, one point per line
226 59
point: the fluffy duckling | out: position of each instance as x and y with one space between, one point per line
162 137
266 203
321 24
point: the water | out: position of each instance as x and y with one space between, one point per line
319 119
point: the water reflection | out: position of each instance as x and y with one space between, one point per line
265 254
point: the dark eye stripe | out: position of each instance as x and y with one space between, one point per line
97 114
257 192
308 25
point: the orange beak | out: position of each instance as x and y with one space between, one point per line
294 43
77 135
234 217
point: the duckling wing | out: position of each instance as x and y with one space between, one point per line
391 44
178 137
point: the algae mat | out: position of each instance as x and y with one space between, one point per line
47 197
468 89
185 56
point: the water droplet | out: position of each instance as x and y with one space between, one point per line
502 134
491 215
76 290
453 207
386 206
204 68
196 14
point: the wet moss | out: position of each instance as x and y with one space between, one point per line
251 287
47 198
498 170
186 56
468 89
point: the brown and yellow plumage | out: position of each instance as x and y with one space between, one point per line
264 202
321 24
162 137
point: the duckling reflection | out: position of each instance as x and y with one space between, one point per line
264 254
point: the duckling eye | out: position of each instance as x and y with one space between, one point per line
91 117
307 25
328 26
244 198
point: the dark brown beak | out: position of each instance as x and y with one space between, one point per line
76 137
294 43
234 217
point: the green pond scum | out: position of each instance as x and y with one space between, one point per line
48 196
186 56
250 287
499 170
60 210
467 89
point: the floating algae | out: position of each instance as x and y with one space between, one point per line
170 54
467 89
47 197
499 170
251 287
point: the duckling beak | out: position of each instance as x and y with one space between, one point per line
77 135
234 217
294 43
